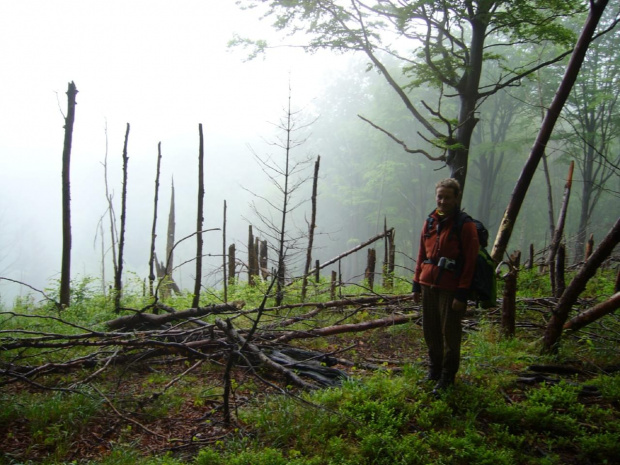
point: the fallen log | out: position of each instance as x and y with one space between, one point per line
149 320
593 314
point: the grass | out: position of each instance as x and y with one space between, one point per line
385 416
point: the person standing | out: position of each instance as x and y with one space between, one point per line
443 274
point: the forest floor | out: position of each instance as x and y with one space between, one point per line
188 426
184 426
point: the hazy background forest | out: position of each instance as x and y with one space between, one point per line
166 68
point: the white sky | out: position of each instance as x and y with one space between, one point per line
161 66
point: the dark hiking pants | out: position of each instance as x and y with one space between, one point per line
442 331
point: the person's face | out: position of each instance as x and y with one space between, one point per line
446 200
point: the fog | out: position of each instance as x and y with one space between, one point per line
164 68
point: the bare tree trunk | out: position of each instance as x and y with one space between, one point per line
390 256
589 247
121 242
370 268
103 284
111 215
65 270
560 267
165 272
559 231
560 314
509 297
311 229
154 228
225 280
263 258
232 260
199 221
251 257
593 314
530 262
572 70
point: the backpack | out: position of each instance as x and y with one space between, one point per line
483 288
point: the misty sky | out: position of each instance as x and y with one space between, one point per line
161 66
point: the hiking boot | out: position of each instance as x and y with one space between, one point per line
442 385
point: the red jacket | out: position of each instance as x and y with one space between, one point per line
440 240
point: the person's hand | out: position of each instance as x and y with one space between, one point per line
459 306
416 297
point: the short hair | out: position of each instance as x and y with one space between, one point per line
450 183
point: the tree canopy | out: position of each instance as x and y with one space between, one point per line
443 45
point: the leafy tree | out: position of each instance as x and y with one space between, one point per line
444 45
538 149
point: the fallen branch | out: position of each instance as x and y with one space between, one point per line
235 337
348 328
593 314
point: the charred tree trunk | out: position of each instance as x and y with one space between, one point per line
199 220
559 231
118 278
560 314
311 228
232 260
570 76
154 228
252 259
370 268
65 271
263 258
530 262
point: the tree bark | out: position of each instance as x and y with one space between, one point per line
538 149
65 271
199 220
560 314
